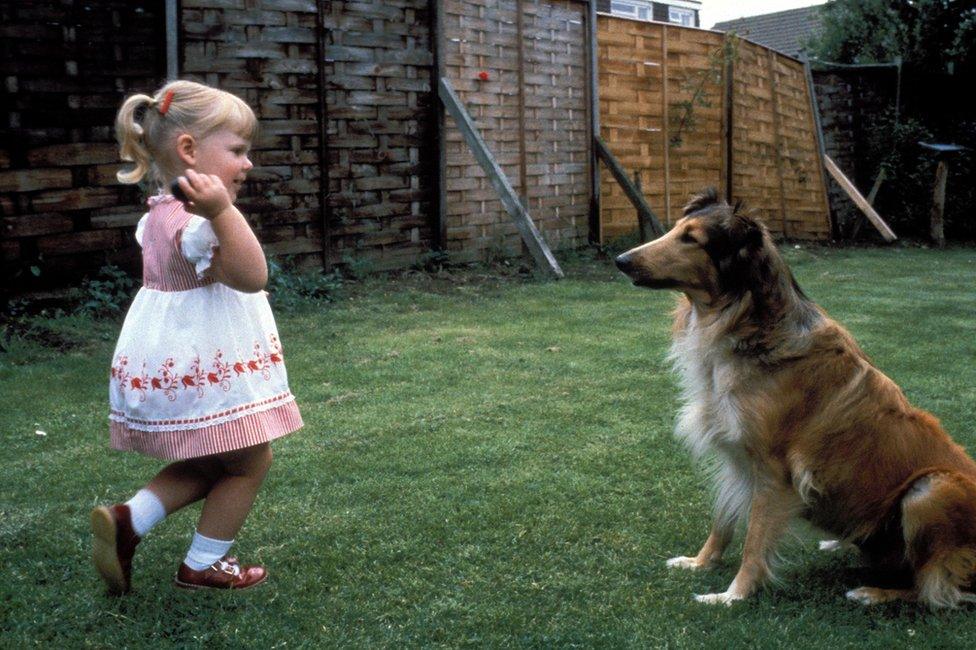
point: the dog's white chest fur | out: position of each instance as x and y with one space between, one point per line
711 419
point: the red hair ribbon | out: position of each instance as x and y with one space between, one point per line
167 100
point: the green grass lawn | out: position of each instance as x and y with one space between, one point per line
485 462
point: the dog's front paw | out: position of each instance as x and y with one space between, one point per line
684 562
725 598
876 596
836 546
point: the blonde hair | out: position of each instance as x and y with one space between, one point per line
146 127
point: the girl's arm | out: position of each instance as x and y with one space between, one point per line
239 261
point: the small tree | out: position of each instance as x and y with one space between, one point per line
929 34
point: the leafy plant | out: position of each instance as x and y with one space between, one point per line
682 115
433 262
108 294
290 287
927 33
357 268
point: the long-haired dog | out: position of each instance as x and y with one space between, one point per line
800 422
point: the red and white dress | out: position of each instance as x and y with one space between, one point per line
198 368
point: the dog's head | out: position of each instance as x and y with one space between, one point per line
712 251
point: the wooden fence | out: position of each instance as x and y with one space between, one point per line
66 68
352 163
670 112
531 110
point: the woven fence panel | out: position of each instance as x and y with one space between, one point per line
775 153
556 141
382 155
66 68
532 118
631 82
265 52
695 115
663 114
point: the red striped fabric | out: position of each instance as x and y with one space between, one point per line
163 266
210 417
246 431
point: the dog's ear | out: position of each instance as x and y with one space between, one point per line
701 201
747 235
740 266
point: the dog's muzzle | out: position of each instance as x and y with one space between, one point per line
625 263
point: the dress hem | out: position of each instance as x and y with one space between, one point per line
246 431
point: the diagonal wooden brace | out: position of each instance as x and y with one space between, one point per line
530 234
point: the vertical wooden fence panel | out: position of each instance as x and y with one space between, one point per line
695 114
549 109
265 52
777 172
631 81
382 156
556 144
755 174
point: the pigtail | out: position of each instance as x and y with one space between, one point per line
131 137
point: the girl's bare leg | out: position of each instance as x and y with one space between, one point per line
230 498
186 481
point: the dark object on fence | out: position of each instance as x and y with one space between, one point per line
530 234
645 216
943 153
178 192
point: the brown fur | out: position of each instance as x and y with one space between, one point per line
800 422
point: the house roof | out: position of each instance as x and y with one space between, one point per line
784 31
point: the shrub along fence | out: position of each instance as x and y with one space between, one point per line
873 119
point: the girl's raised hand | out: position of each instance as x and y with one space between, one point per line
206 192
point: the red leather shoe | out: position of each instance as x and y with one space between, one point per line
225 573
114 545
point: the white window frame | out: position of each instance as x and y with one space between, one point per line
636 9
681 16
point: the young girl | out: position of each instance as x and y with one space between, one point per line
197 376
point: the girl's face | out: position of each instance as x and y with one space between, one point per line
224 154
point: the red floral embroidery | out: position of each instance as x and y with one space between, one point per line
222 372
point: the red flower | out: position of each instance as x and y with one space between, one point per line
212 378
253 365
189 381
136 383
239 368
275 358
156 383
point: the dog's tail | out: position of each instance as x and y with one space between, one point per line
938 520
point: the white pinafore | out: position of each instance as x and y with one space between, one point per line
198 368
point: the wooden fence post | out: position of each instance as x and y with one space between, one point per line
938 204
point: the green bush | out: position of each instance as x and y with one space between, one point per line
108 294
905 197
290 287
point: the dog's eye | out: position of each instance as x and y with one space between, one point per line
688 239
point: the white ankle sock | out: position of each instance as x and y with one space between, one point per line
146 510
204 551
